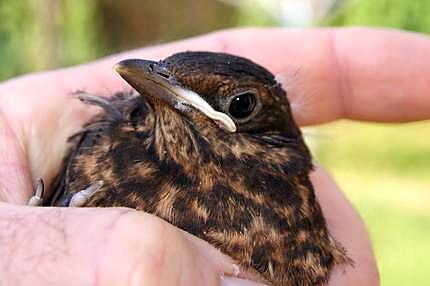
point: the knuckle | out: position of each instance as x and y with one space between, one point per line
142 239
145 250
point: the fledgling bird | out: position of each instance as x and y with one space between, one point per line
209 144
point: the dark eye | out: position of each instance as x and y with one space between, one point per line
242 105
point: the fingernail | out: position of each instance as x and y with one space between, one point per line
230 281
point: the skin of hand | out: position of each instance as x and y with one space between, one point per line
329 74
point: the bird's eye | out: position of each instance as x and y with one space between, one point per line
242 105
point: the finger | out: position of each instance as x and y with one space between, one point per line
361 74
347 227
103 247
167 257
174 257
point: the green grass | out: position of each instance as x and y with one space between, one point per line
385 172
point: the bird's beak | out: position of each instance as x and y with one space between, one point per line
148 78
153 80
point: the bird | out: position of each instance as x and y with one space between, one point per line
206 141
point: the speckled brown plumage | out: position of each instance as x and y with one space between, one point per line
246 192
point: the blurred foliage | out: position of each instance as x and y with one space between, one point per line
409 15
43 34
252 13
135 23
406 152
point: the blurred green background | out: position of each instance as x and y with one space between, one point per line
384 169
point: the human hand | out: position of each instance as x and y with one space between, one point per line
328 74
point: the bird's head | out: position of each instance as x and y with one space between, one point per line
215 93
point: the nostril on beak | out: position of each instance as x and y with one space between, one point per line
166 76
164 73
